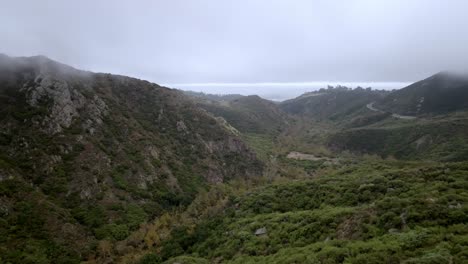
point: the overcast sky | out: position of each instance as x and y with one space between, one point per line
195 41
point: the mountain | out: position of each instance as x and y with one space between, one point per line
333 103
426 120
402 123
87 157
248 114
441 93
100 168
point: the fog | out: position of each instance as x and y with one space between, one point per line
192 43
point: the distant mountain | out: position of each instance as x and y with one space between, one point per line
213 97
248 114
89 156
441 93
332 103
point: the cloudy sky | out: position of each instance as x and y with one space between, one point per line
246 41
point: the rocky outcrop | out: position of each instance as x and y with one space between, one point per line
261 231
64 103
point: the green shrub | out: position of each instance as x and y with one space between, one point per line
150 258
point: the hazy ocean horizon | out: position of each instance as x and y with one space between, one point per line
278 91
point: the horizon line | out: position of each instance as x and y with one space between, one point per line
211 84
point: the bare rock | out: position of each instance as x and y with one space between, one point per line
64 101
261 231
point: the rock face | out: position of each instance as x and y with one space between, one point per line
65 103
99 141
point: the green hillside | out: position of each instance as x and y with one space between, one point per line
87 158
441 93
371 212
334 103
99 168
442 139
249 114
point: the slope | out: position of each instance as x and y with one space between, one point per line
249 114
441 93
335 104
369 212
87 157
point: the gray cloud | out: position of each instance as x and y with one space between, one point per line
180 41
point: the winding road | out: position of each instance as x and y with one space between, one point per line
371 107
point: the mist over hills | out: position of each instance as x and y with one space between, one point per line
102 168
234 132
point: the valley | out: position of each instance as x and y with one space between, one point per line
101 168
234 132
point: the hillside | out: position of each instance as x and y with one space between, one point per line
85 158
249 114
439 94
100 168
213 97
426 120
334 103
441 139
368 212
